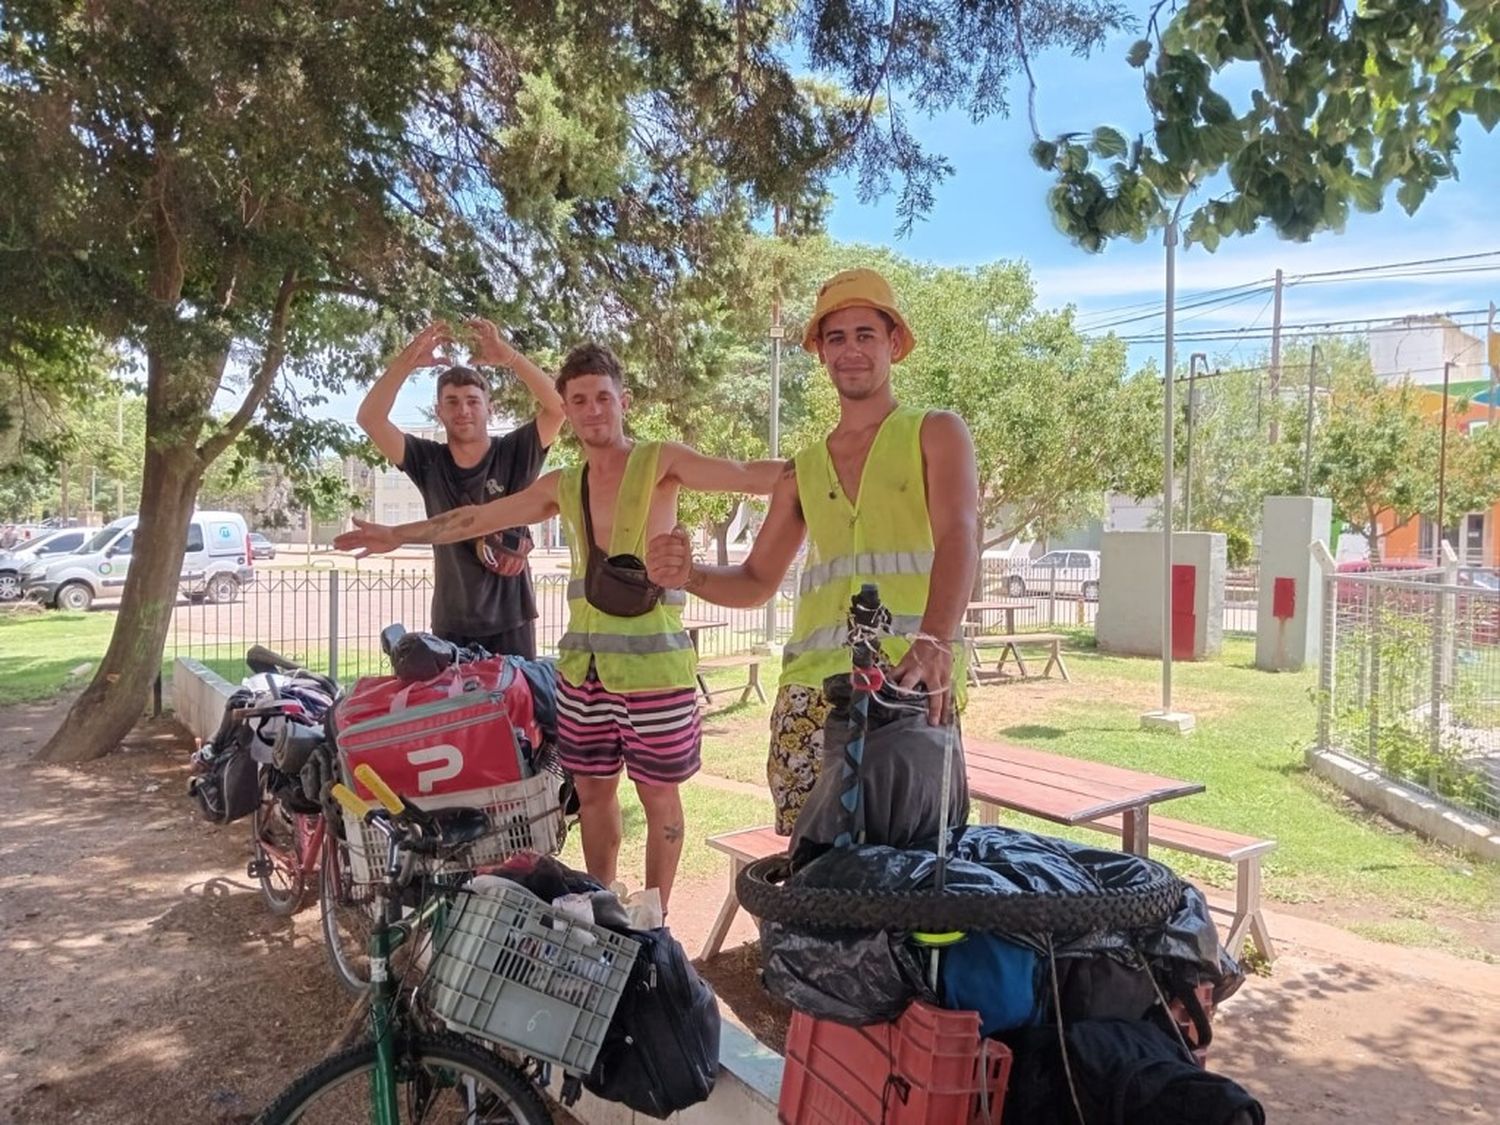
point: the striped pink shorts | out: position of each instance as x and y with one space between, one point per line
655 735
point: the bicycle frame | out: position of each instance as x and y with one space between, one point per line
391 932
306 853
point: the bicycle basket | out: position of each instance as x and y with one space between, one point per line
524 816
512 970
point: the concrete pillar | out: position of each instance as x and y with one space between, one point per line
1289 619
1130 591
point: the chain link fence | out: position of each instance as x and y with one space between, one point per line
1410 680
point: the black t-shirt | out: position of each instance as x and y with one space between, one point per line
467 599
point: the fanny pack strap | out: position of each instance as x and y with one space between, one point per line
588 518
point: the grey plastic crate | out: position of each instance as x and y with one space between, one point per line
513 970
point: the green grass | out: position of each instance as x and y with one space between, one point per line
1414 932
39 652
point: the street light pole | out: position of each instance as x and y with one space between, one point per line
774 436
1312 382
1443 462
1192 406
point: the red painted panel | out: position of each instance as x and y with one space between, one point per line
1284 598
1184 616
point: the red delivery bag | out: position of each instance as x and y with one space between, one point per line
472 727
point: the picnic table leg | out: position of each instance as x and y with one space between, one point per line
1247 913
725 919
1135 836
1056 660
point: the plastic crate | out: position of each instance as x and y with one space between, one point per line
929 1066
513 970
524 816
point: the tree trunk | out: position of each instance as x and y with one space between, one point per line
721 541
114 700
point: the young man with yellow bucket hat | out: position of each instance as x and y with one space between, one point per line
891 497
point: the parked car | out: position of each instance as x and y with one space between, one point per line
1356 593
261 547
216 564
1063 572
47 545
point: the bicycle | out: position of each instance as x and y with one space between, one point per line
288 828
435 1076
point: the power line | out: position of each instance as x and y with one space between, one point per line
1331 327
1226 295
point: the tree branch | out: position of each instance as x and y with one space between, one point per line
265 375
1036 131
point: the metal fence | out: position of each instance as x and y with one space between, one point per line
331 619
1066 596
1410 680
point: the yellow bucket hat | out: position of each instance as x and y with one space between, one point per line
855 289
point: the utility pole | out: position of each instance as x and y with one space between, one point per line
1276 362
120 450
774 437
1494 357
1443 462
1192 407
1312 382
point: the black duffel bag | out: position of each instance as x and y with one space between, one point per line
661 1053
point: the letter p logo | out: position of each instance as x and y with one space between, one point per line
446 762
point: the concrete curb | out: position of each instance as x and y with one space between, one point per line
1407 806
198 697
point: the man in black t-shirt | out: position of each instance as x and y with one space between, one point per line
482 589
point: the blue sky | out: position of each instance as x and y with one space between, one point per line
994 207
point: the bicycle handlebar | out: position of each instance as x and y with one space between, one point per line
351 801
383 792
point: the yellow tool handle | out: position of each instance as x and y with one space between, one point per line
350 800
383 792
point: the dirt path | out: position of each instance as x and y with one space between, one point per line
142 980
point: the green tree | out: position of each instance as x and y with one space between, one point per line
1352 100
1376 458
239 194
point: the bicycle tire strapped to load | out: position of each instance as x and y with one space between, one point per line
762 892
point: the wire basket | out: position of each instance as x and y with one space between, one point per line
524 816
512 970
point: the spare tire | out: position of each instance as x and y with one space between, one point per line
1148 902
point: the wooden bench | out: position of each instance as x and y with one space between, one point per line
742 847
750 661
1244 852
1010 650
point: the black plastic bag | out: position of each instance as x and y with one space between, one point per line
661 1052
856 977
900 777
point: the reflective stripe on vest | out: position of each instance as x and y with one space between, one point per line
628 654
837 636
615 643
867 565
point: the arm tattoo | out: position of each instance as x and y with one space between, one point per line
673 833
429 530
695 579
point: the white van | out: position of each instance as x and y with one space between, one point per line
49 544
214 566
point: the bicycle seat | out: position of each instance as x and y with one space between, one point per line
457 827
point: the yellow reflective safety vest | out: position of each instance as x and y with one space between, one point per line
646 653
885 537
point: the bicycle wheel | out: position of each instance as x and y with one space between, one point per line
274 834
762 892
440 1078
348 915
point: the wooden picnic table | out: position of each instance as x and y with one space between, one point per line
1067 790
694 630
975 611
